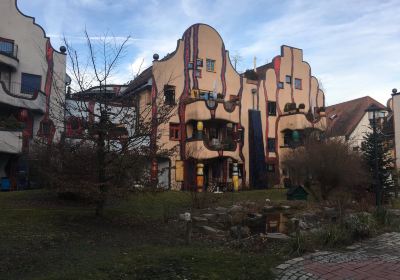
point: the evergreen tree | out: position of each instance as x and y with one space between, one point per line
385 161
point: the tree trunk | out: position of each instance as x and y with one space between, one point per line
101 165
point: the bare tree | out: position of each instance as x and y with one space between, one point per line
236 58
326 166
109 151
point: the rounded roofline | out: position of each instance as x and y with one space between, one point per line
220 37
38 25
181 39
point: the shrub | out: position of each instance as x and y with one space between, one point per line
386 219
360 225
298 244
333 236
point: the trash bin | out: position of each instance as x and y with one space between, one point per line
5 184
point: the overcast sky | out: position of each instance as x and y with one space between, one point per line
353 46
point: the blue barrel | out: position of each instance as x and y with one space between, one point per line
5 184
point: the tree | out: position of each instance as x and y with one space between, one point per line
380 159
236 58
325 166
111 152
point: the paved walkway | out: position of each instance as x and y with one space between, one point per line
376 258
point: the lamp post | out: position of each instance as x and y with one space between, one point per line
373 114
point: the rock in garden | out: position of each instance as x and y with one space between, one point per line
240 231
210 230
235 208
200 221
210 217
278 236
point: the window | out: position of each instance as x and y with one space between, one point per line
169 95
199 62
287 138
270 168
45 128
190 65
30 83
280 85
198 73
271 144
210 65
288 79
174 132
271 108
7 47
297 84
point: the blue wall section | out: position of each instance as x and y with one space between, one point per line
257 165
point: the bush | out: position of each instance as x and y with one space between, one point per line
333 236
360 225
386 219
299 244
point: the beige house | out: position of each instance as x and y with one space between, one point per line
224 117
32 83
349 120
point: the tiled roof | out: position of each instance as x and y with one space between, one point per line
139 81
344 117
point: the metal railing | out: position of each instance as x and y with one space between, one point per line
8 48
20 90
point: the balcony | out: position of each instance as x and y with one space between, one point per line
11 141
200 149
199 108
216 144
11 96
9 54
213 138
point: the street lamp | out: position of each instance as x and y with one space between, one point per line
374 112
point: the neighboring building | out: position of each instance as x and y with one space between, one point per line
82 112
349 120
32 83
223 117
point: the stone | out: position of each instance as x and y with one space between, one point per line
210 230
210 217
278 236
221 209
303 225
199 221
240 231
235 209
185 217
237 218
283 266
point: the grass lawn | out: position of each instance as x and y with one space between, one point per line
42 237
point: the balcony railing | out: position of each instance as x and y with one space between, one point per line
10 94
212 100
8 48
218 145
21 90
215 144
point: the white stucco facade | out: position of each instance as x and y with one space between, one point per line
32 87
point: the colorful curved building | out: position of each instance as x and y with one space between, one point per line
225 117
